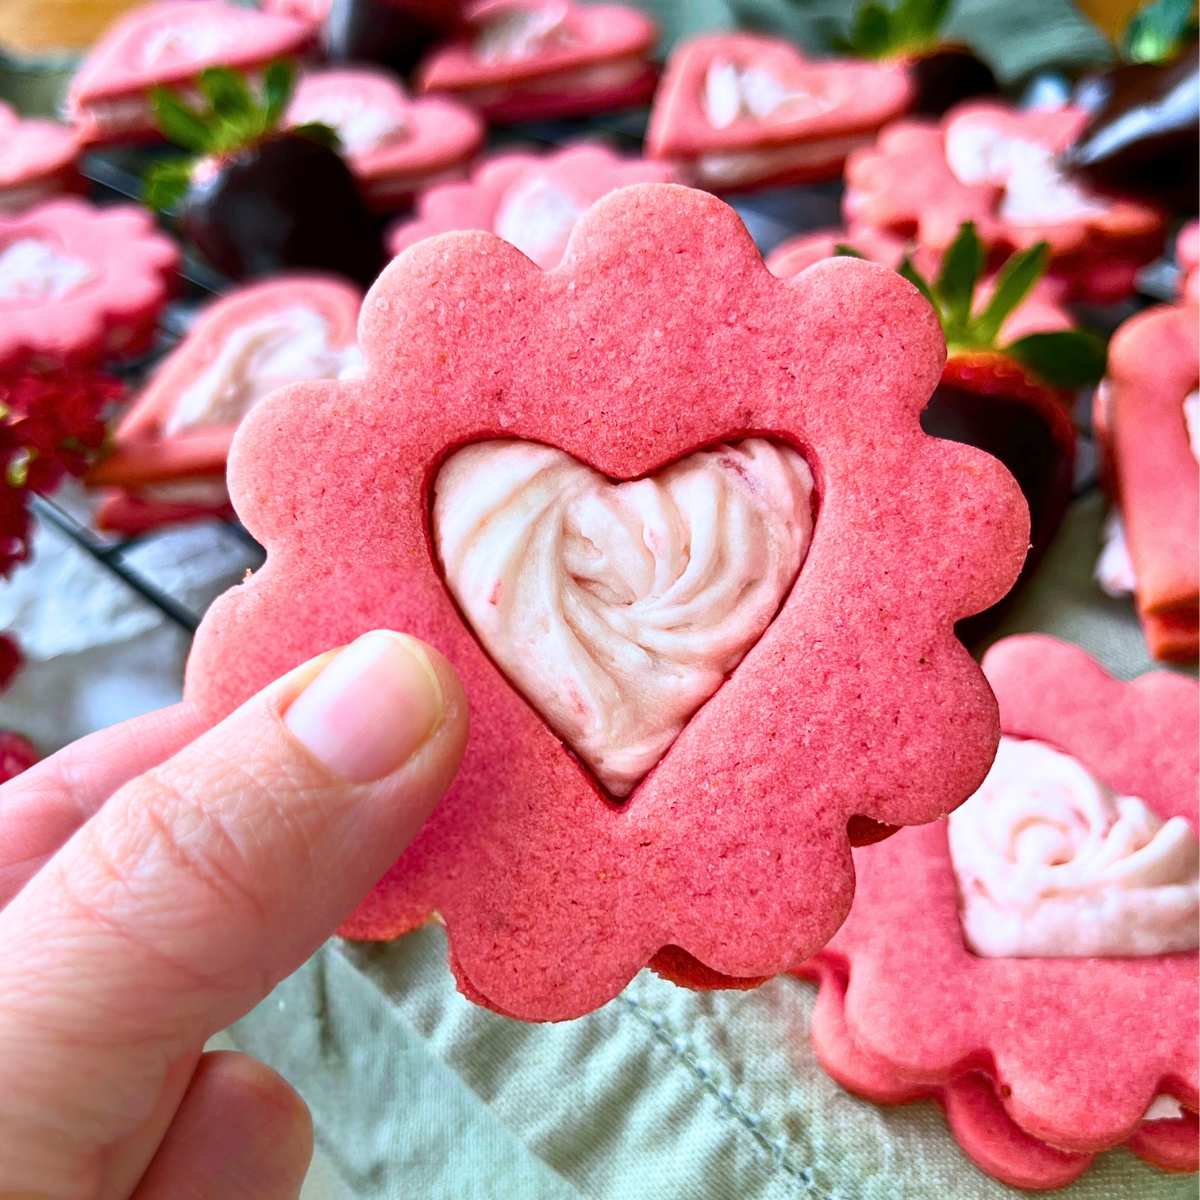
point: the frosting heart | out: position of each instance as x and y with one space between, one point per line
1052 863
618 609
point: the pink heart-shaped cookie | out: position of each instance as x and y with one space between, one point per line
395 145
168 44
994 165
530 200
742 110
167 461
528 59
37 160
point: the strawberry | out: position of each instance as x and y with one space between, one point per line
943 73
253 197
16 755
393 33
1012 398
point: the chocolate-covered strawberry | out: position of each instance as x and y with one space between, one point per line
1012 370
391 33
1145 122
254 198
910 32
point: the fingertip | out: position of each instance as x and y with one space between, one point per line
241 1132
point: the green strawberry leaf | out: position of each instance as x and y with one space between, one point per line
871 31
229 95
1158 31
167 183
1013 283
880 31
907 271
916 23
279 82
179 122
955 286
324 135
1067 359
841 250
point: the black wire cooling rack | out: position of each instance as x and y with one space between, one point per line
115 176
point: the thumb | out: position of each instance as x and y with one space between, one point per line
198 886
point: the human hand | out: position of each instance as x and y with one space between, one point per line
159 881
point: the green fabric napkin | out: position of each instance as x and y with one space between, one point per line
663 1094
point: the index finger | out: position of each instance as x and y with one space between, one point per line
42 807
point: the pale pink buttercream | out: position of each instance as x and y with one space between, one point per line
618 609
1051 863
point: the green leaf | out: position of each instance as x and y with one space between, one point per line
179 122
921 21
870 34
956 281
1157 32
167 183
229 95
1068 359
324 135
907 271
1013 283
841 250
279 82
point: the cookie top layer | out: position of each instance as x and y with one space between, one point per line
740 91
1079 1046
171 42
531 200
661 332
382 130
255 337
516 40
72 274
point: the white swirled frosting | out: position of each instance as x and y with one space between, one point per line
618 609
1035 190
360 125
516 33
537 216
732 92
32 271
1191 418
283 347
1052 864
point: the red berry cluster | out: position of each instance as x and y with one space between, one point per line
51 426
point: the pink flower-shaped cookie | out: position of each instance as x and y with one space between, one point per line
737 111
995 165
531 59
37 160
167 461
168 44
80 283
1072 1034
530 200
660 333
396 146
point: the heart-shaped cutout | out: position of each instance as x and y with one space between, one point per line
619 608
